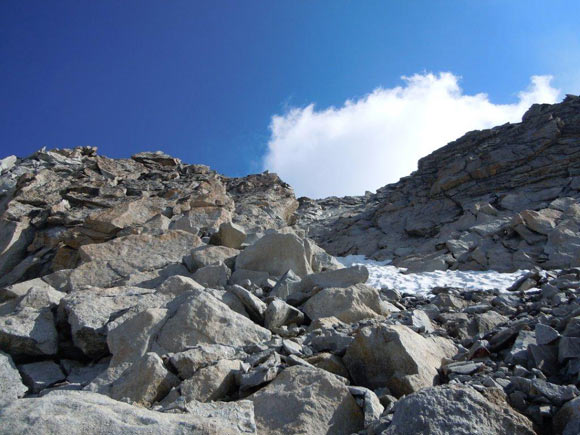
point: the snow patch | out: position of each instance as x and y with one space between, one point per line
383 275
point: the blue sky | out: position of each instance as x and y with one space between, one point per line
202 80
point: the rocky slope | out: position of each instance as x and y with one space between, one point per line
502 199
146 295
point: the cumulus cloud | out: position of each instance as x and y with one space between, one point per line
377 139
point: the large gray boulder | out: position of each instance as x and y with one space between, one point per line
128 341
306 400
396 357
147 381
143 251
349 304
107 264
90 313
212 382
85 413
460 410
276 253
202 319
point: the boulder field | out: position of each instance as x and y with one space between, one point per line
149 296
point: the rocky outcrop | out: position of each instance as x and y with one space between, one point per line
502 199
146 295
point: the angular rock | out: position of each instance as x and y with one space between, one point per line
131 339
213 382
188 362
306 400
279 313
545 334
89 313
108 263
14 239
329 362
288 284
125 214
28 332
568 347
215 276
254 306
40 375
567 420
372 406
11 386
176 285
456 409
229 235
239 276
276 253
350 304
397 358
203 319
208 255
201 220
145 382
518 354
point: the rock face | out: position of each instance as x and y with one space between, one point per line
502 199
305 400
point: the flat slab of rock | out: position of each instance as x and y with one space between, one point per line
41 375
105 264
306 400
341 278
83 413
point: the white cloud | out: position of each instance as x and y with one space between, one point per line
377 139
